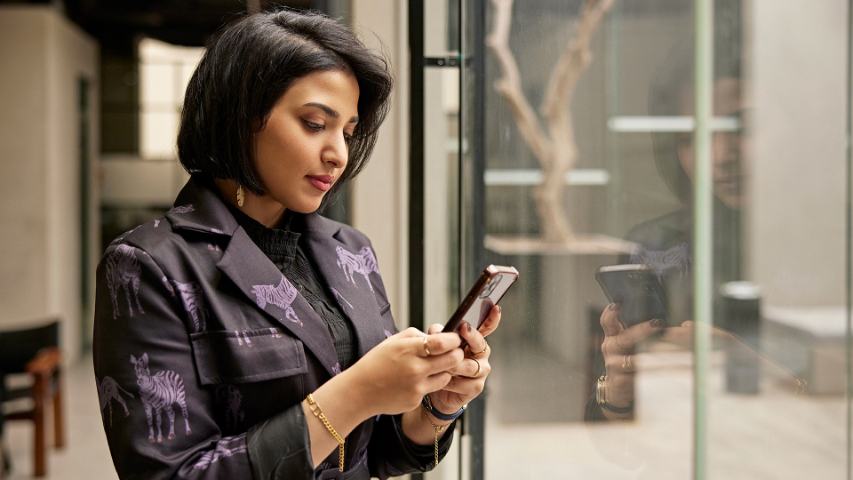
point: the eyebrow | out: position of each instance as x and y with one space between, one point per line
329 111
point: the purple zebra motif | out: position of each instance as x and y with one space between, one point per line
231 398
168 285
336 368
193 299
281 295
275 333
677 257
181 209
123 272
160 391
109 390
363 262
156 222
343 301
226 447
387 333
243 338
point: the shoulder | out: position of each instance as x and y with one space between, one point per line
662 232
154 240
319 225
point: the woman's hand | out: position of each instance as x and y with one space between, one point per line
469 377
394 376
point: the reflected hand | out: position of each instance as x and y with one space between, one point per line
618 350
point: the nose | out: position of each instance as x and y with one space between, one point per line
336 153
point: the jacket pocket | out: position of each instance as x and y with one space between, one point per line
225 356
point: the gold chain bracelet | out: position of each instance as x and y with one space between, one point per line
318 412
437 430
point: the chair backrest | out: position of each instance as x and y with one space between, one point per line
17 347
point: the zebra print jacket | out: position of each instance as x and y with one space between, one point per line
203 350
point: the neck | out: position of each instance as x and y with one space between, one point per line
260 208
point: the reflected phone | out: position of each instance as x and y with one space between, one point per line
637 290
486 292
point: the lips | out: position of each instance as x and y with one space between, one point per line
321 182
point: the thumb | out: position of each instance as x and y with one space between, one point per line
435 328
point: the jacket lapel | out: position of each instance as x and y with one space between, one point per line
352 276
260 280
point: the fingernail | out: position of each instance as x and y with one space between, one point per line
499 309
656 322
612 306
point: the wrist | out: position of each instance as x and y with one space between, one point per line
346 385
440 414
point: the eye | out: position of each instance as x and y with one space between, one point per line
348 137
313 126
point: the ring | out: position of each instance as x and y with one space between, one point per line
484 350
426 347
477 373
627 365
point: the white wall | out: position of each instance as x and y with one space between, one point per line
797 66
380 193
42 57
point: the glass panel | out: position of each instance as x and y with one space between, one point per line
777 373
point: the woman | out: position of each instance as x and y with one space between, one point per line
246 336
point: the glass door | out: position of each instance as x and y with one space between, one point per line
700 151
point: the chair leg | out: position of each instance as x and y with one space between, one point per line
40 389
58 417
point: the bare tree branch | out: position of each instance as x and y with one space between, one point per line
555 150
509 85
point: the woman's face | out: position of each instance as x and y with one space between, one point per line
728 149
302 150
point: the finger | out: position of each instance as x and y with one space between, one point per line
444 362
435 328
474 339
436 344
634 334
467 387
472 368
610 321
437 382
410 332
490 324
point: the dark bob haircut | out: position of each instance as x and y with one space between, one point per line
244 72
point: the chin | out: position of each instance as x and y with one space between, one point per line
306 207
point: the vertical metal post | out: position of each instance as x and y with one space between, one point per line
848 250
416 167
416 163
472 130
703 228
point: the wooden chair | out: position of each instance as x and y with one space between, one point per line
35 353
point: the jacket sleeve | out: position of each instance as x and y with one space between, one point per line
159 421
391 453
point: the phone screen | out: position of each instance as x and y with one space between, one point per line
486 293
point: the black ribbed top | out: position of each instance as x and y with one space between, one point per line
284 246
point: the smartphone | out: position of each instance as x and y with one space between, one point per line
637 290
487 291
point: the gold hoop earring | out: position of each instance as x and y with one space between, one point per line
241 197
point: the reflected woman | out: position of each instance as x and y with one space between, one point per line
665 243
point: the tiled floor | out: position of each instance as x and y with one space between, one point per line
86 455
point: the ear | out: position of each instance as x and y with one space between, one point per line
133 359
